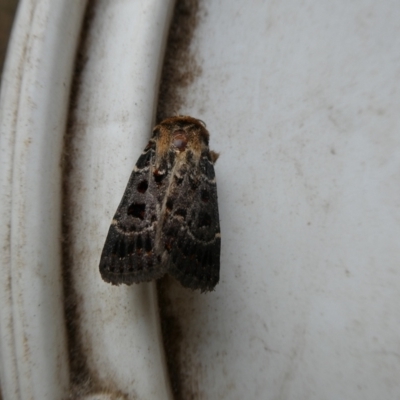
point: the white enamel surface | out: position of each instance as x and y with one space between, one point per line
119 329
34 362
113 121
302 101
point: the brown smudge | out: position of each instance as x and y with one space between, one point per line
179 71
79 371
180 66
83 380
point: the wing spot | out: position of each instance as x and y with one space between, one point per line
170 204
204 219
181 212
139 245
142 186
137 210
158 176
168 244
205 196
194 184
178 180
148 245
143 162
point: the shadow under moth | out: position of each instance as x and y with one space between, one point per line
167 221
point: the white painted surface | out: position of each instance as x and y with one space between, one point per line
113 117
34 362
119 329
302 100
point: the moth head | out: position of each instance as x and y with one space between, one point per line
180 134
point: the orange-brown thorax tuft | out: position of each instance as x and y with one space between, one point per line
181 133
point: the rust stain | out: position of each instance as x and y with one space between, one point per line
83 381
179 72
182 341
180 66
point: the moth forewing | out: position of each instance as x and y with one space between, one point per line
128 255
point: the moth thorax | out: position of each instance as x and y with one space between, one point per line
180 140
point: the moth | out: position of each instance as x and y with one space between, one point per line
167 220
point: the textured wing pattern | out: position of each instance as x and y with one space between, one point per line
128 255
190 231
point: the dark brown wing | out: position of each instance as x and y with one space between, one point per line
128 255
190 231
